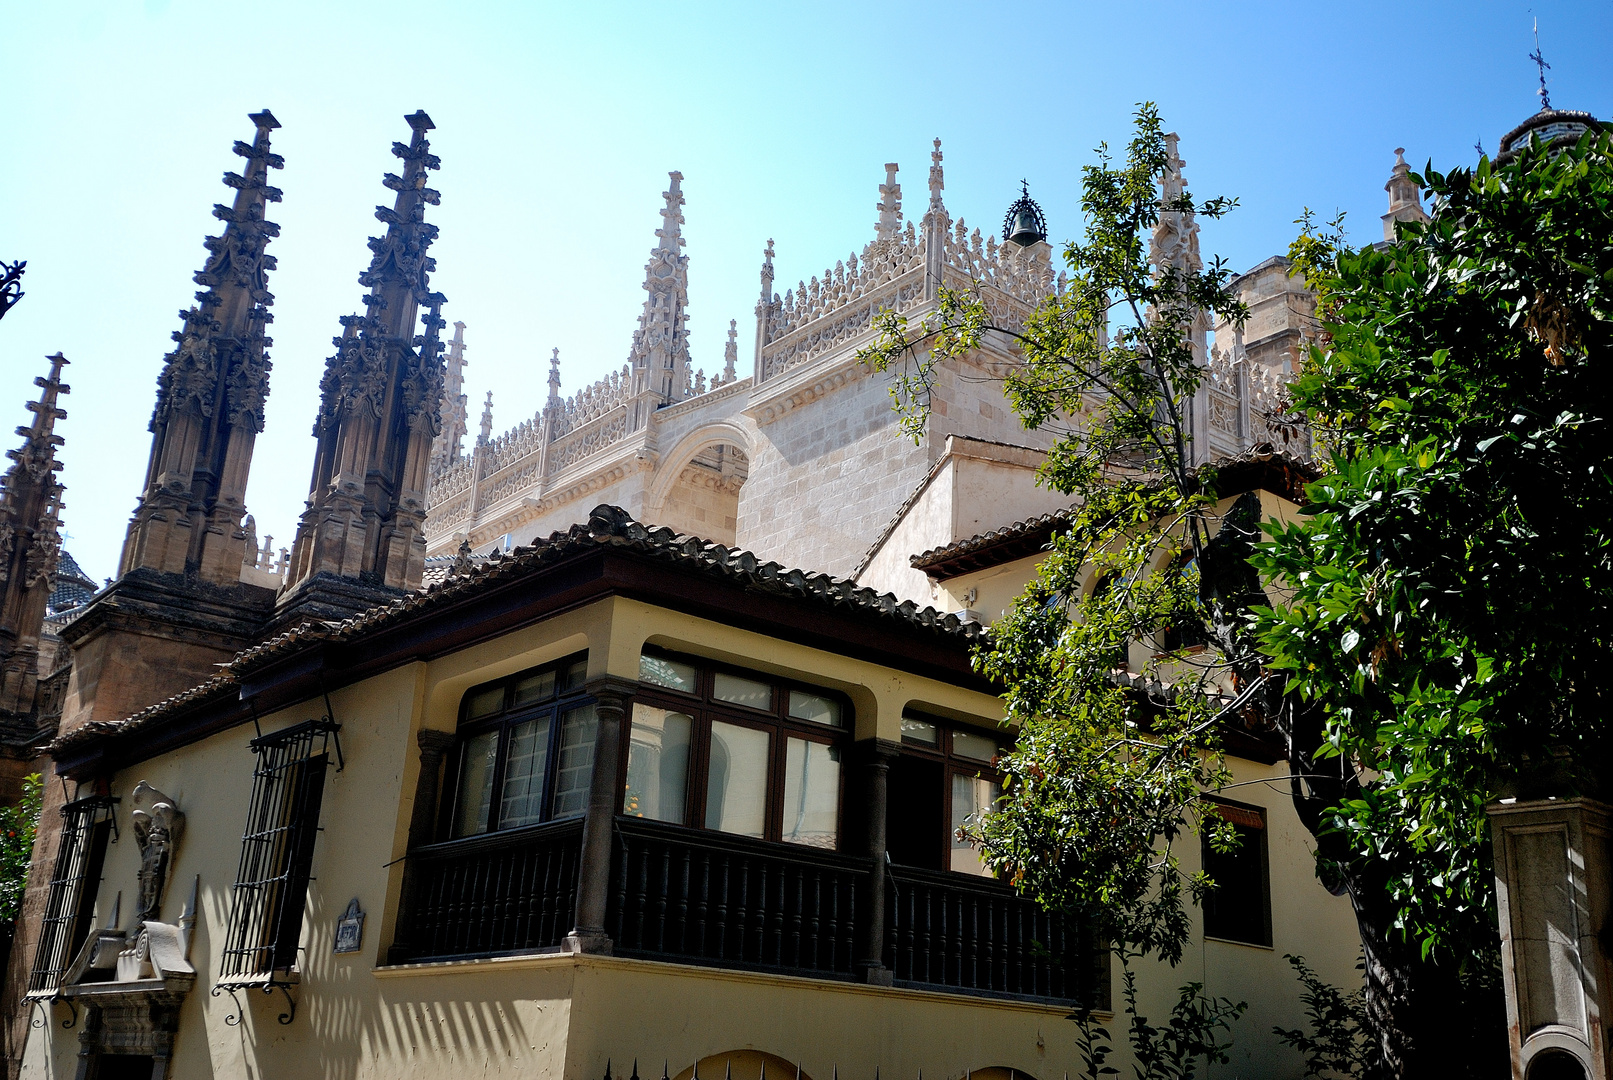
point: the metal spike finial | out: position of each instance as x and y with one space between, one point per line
664 1063
1540 62
635 1069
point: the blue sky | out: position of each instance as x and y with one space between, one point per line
558 123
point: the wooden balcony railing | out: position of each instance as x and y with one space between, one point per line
946 931
507 892
706 898
700 897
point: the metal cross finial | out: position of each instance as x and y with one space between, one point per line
1540 62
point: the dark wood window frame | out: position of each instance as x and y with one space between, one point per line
952 763
704 707
568 694
1252 859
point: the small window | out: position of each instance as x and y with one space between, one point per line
673 674
737 690
74 881
751 756
814 707
1239 907
920 731
526 751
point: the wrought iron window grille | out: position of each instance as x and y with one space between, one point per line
88 825
263 937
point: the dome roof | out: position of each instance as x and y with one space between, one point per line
73 586
1551 127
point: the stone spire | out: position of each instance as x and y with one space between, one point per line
1174 246
30 543
764 305
889 205
1405 202
660 353
937 177
554 379
486 435
936 223
211 392
378 414
450 442
730 352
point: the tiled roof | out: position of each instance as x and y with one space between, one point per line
1260 467
952 558
607 526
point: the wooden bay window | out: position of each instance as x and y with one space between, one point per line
735 752
526 751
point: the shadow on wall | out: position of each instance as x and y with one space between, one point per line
394 1026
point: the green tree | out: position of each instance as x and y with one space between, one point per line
1483 470
1452 576
17 825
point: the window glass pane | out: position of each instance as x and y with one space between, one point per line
485 702
534 687
746 692
575 769
658 765
575 675
736 787
971 795
811 793
969 745
920 731
475 795
813 707
663 672
521 801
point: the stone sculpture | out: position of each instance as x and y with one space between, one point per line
157 825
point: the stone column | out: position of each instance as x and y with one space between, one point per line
611 695
876 803
1554 883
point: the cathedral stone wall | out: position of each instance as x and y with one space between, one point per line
827 477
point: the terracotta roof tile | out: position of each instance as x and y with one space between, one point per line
608 526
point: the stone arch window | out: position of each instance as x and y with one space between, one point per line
735 751
525 751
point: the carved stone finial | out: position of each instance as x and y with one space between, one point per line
157 828
554 377
463 564
889 206
730 354
937 177
487 421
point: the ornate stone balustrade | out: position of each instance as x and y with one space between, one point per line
1006 268
590 438
591 402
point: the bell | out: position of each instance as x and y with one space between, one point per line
1025 230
